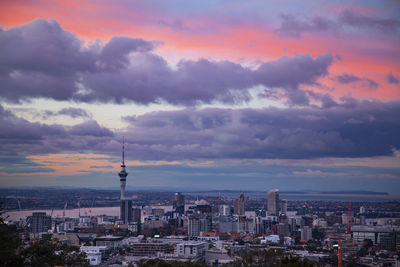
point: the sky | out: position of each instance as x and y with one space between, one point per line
212 94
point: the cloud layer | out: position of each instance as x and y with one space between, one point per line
124 69
364 129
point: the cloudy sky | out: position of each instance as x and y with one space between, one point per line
254 95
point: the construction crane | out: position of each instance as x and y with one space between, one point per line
348 222
65 207
91 206
340 245
19 205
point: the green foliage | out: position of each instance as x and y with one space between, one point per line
266 258
47 252
10 244
163 263
42 252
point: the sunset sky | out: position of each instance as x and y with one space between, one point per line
247 95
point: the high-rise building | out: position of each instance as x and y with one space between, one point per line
126 210
179 203
282 229
283 207
239 204
198 223
306 233
273 203
362 210
225 210
136 214
39 222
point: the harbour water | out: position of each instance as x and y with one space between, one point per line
71 213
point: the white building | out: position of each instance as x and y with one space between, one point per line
94 254
225 210
191 249
320 223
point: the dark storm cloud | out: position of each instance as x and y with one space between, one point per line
349 78
367 129
392 79
294 27
347 129
40 59
21 137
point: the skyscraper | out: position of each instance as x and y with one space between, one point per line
179 203
126 210
283 206
239 204
273 202
39 222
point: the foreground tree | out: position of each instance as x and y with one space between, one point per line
43 252
10 244
48 252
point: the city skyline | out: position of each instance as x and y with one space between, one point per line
211 95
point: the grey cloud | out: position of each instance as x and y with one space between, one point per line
115 53
347 129
90 128
74 112
267 133
363 21
151 79
71 112
21 137
40 59
349 78
294 27
392 79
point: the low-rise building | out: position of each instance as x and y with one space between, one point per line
191 250
109 241
94 254
151 249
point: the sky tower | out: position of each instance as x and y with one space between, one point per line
122 174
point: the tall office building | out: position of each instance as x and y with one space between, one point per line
198 223
273 203
179 203
306 233
126 210
283 206
239 204
136 214
39 222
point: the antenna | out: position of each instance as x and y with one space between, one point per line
123 150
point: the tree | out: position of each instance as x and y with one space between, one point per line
42 252
48 252
10 244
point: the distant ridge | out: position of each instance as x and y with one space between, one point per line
192 190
